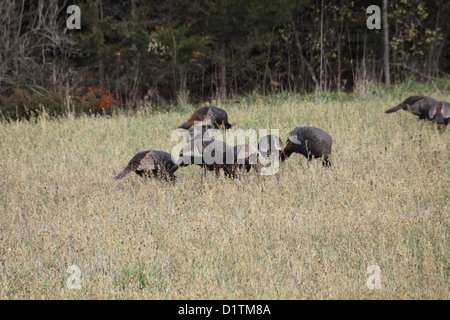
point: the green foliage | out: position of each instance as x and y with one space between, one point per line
23 104
414 34
166 52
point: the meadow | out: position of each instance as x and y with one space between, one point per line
306 234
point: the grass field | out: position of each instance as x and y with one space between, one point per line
311 234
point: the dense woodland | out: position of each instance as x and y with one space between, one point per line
145 54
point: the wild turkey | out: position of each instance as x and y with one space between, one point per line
211 155
198 132
209 116
310 142
418 105
270 144
245 157
440 113
151 163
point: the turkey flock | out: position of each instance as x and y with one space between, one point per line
311 142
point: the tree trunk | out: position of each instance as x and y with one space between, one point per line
321 76
387 75
101 63
302 57
223 72
133 8
339 76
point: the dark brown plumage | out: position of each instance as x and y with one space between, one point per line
245 157
211 155
440 113
151 163
309 141
418 105
210 117
198 132
270 144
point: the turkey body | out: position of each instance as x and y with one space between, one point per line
270 144
418 105
150 163
210 154
246 157
311 142
209 116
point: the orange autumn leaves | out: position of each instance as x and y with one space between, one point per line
98 99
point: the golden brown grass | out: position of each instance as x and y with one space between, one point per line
307 235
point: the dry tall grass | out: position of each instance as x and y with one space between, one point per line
307 235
